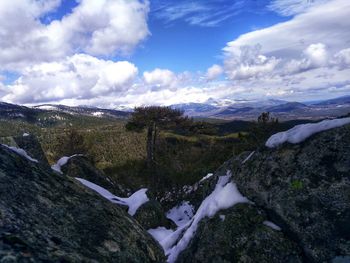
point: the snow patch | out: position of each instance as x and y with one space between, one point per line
20 152
272 225
25 134
225 195
248 158
301 132
181 214
133 202
98 114
222 217
160 233
61 162
206 177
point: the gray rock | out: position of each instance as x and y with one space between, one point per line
305 189
46 217
239 235
151 215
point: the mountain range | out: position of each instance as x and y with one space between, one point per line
245 110
284 110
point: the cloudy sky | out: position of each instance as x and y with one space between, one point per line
113 53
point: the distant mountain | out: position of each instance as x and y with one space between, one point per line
337 101
196 109
287 107
51 115
284 110
84 110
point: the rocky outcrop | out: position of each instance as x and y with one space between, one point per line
303 188
79 166
151 215
30 144
240 235
47 217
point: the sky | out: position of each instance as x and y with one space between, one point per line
126 53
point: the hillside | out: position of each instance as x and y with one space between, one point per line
276 203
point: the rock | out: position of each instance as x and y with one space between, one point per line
239 235
47 217
151 215
81 167
31 145
305 189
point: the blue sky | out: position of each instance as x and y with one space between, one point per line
115 53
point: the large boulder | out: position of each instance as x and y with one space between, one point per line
80 166
239 234
47 217
305 188
151 215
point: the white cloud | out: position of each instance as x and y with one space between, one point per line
213 72
293 7
342 58
248 62
327 24
77 77
160 78
314 56
96 27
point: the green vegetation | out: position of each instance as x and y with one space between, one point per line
297 185
182 153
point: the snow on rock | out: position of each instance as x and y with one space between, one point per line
225 195
61 162
301 132
98 114
25 134
206 177
272 225
20 152
248 158
160 233
181 214
133 202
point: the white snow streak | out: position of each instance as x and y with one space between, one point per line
133 202
301 132
61 162
225 195
20 152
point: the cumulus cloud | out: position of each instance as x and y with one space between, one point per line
214 72
77 77
248 62
95 27
327 24
314 56
160 78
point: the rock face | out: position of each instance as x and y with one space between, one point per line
46 217
239 235
152 215
303 188
81 167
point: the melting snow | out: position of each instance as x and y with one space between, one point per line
272 225
206 177
225 195
61 162
133 202
20 152
181 214
249 156
301 132
160 233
